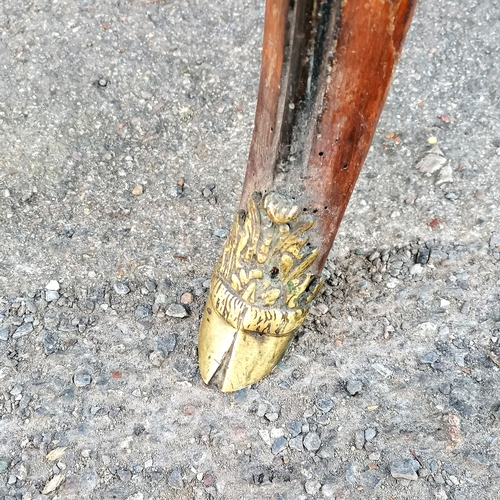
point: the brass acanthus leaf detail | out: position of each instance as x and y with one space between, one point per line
261 283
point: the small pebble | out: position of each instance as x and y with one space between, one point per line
124 475
120 288
167 343
176 311
51 295
416 269
156 358
359 439
142 311
327 450
319 309
423 473
354 387
175 479
279 445
429 358
23 330
404 469
221 232
208 480
52 285
423 256
296 443
312 487
82 379
264 434
261 409
272 416
445 388
138 190
324 403
294 427
370 433
312 442
446 175
4 334
495 241
186 298
277 432
16 390
370 479
150 285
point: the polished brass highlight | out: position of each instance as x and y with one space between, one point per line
260 293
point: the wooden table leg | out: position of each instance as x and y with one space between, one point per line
326 70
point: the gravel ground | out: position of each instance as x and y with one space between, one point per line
124 132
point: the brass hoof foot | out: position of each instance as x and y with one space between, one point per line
260 293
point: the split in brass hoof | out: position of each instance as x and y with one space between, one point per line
260 293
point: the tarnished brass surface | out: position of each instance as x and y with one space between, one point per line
260 293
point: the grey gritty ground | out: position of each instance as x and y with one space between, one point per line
392 390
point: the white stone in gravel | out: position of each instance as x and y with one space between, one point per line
277 432
4 334
16 390
53 285
383 370
312 441
272 416
446 175
328 490
296 443
432 161
161 298
416 269
262 409
120 288
319 309
370 433
460 358
176 311
23 330
156 358
354 386
51 295
312 487
264 434
359 439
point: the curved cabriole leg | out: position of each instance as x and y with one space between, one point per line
326 70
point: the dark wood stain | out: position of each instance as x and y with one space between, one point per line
326 71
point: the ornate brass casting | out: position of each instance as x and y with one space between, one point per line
325 74
260 293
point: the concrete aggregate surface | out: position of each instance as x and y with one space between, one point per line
124 132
